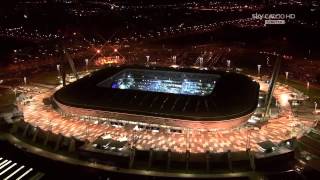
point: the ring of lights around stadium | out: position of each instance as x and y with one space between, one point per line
161 97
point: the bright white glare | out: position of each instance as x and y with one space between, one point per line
284 100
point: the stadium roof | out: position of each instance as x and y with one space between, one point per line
234 95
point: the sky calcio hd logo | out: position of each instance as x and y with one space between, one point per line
274 18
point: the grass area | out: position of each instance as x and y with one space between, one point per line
312 92
49 78
6 97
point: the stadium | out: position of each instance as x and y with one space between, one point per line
161 121
159 97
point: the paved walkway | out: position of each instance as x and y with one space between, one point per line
276 130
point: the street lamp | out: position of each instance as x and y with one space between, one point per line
59 72
87 63
115 50
87 130
58 69
148 58
287 75
174 59
49 124
98 51
187 139
259 69
248 144
25 80
309 52
200 62
228 63
15 91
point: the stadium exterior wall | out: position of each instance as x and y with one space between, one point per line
172 122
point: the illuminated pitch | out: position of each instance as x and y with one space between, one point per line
200 84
